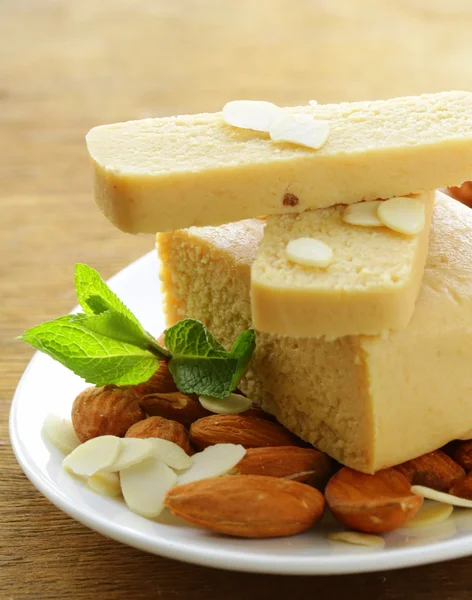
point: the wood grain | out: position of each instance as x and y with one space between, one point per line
66 66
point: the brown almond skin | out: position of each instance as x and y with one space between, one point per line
436 470
158 427
161 382
463 487
463 454
371 503
176 406
247 506
107 410
298 464
250 432
462 193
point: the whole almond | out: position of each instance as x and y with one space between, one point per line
371 503
158 427
463 487
463 454
435 470
176 406
108 410
250 432
247 506
291 462
161 382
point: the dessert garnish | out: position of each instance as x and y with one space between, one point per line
106 344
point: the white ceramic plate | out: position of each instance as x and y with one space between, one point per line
47 387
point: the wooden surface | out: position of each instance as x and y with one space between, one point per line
66 66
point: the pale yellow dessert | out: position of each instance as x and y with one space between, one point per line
174 172
369 286
370 402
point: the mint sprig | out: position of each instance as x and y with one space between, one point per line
200 364
107 344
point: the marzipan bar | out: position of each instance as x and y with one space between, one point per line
370 286
174 172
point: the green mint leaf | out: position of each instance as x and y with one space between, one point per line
206 376
191 338
118 327
242 349
96 298
97 358
200 364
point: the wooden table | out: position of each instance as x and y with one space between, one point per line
66 66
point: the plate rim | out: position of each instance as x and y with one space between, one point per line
234 560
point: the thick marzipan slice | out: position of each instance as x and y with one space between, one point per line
174 172
368 284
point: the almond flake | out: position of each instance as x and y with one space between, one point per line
309 252
132 451
426 492
363 214
356 538
232 405
144 486
106 484
431 513
405 215
251 114
61 433
171 454
213 461
94 455
302 129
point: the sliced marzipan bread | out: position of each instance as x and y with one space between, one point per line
369 285
174 172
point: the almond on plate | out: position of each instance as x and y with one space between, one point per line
176 406
61 433
250 432
463 454
463 487
159 427
371 503
161 382
248 506
291 462
107 410
435 470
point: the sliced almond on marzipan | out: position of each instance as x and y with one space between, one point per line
363 214
257 115
405 215
302 129
309 252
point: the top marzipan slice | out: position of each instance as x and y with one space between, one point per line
170 173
